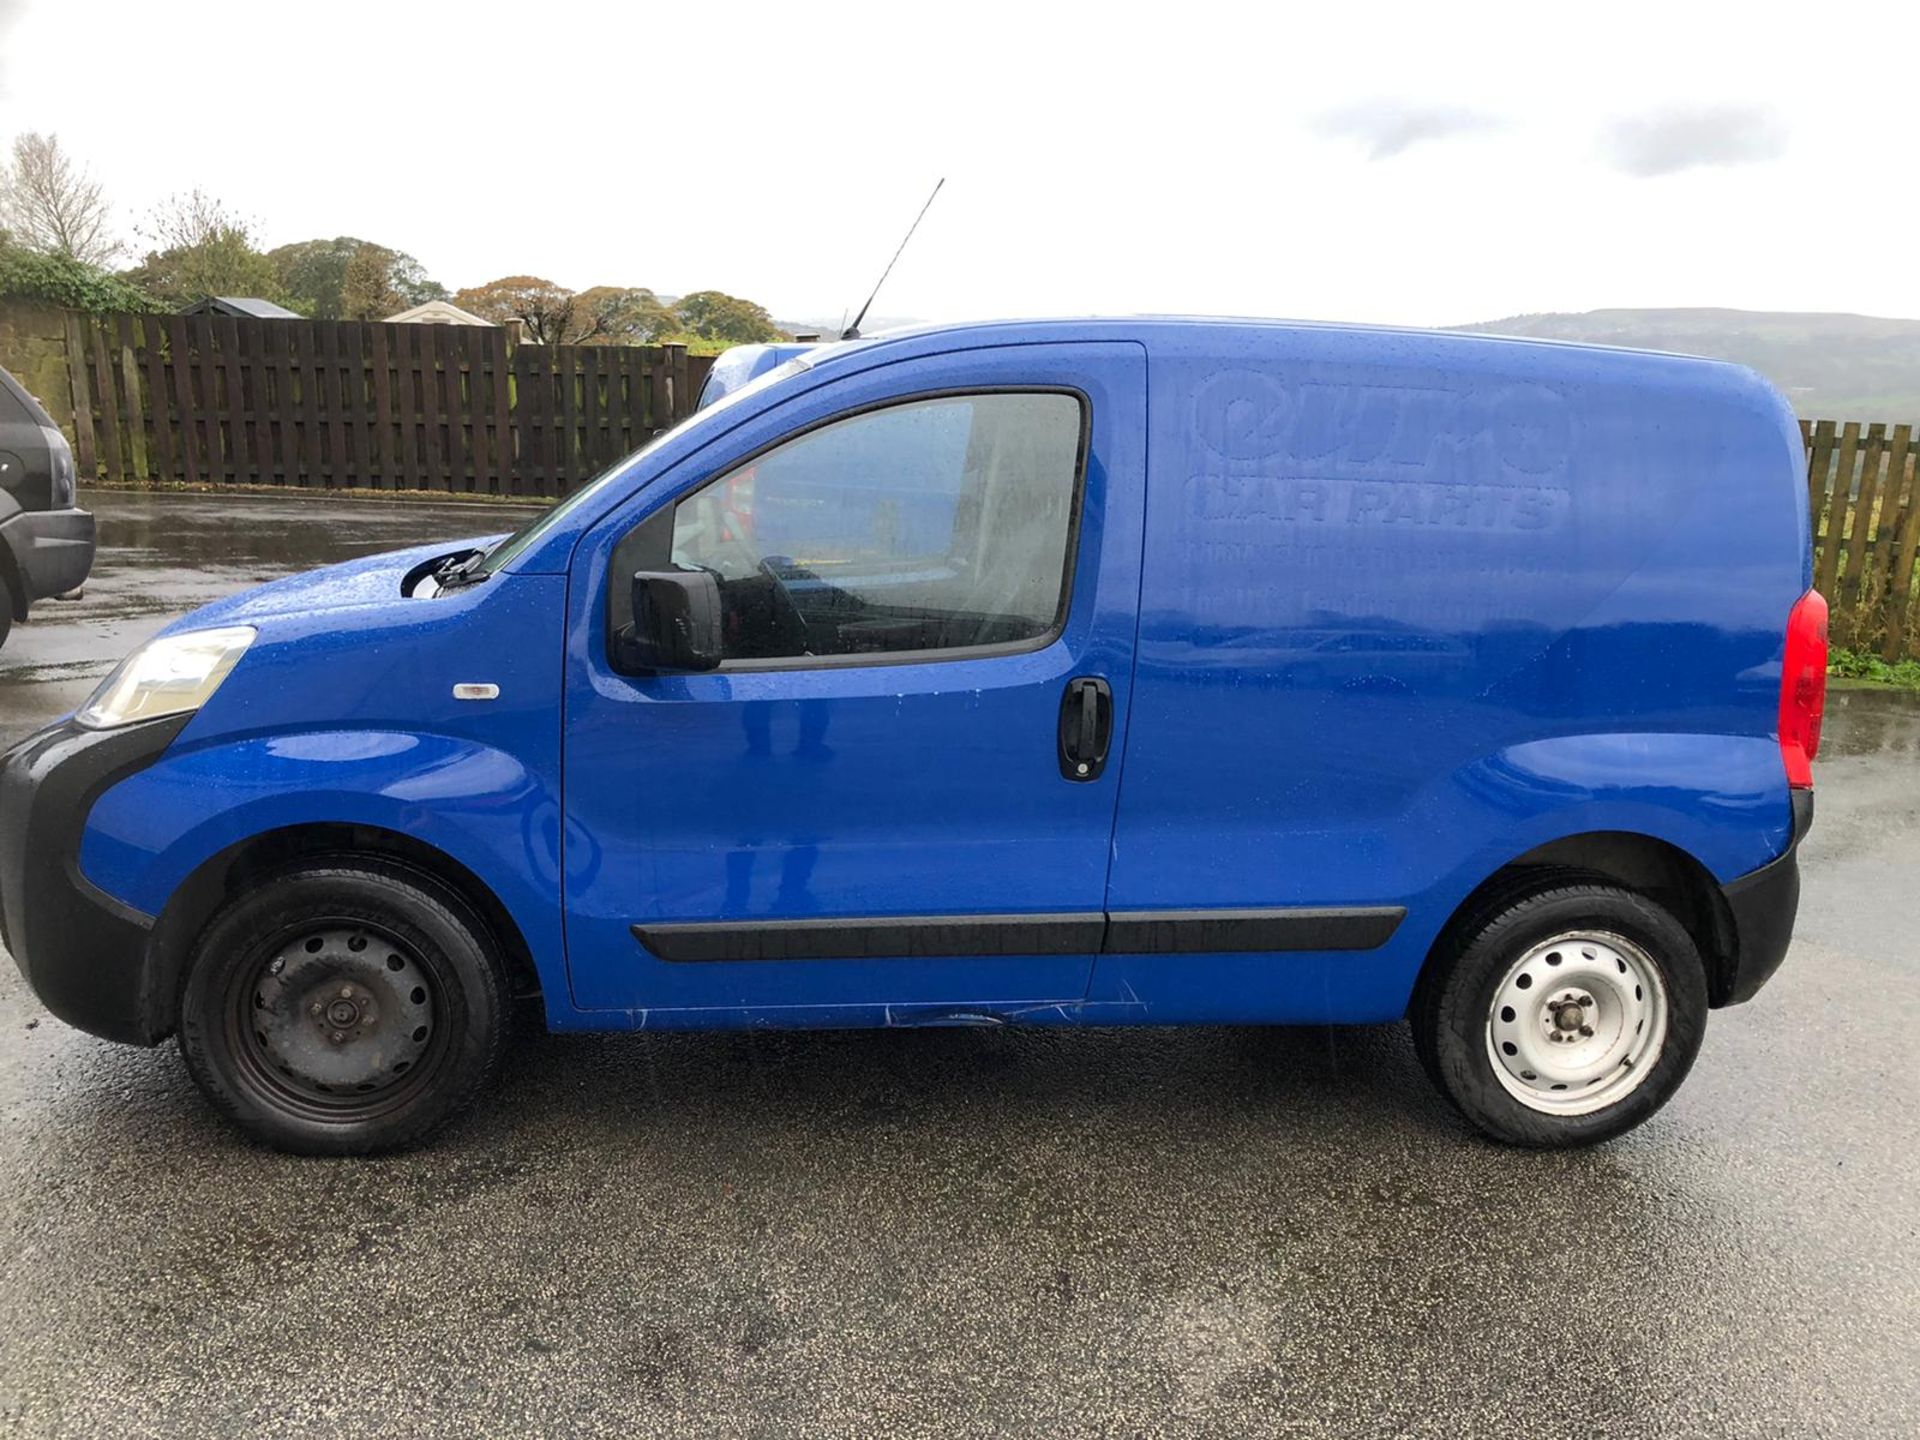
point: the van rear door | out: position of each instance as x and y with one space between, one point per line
866 804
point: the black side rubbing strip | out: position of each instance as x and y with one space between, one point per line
1185 932
908 936
1128 932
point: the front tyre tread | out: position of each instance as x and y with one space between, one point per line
438 924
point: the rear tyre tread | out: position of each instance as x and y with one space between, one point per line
1449 1004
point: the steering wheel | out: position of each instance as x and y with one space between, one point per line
783 601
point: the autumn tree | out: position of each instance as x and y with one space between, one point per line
550 314
715 315
378 282
543 309
612 315
367 291
54 206
202 248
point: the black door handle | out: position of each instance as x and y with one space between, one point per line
1086 727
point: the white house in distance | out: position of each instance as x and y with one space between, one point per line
436 312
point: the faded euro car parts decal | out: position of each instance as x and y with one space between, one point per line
1315 453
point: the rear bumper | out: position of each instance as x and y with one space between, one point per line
84 953
52 551
1763 905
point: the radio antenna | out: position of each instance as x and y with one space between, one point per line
852 332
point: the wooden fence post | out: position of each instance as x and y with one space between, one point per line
1900 557
136 406
85 460
500 362
110 402
152 330
682 401
1839 503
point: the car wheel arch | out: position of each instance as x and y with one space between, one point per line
1647 864
198 898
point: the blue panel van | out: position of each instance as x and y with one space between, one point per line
740 365
1056 673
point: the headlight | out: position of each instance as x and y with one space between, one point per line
169 676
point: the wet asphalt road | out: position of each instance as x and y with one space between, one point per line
972 1232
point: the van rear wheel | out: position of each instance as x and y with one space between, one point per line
1564 1016
343 1008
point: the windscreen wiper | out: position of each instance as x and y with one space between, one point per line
446 571
455 570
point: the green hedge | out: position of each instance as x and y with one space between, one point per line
30 275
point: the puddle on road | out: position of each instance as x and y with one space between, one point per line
1870 722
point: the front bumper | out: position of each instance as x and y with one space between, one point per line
1763 905
84 953
52 552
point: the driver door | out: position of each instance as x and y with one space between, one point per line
866 804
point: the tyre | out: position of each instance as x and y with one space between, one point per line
343 1008
1562 1016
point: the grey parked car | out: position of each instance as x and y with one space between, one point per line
46 541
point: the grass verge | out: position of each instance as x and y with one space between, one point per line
1858 666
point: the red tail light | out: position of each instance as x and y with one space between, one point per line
1803 688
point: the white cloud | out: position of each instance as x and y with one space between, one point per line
1385 128
1684 138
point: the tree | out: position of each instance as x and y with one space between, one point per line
53 206
550 314
201 248
367 291
610 315
544 309
313 272
314 276
410 279
715 315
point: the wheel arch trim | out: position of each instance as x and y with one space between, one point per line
198 898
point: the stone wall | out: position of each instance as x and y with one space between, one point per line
33 348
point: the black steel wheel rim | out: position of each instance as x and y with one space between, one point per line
338 1019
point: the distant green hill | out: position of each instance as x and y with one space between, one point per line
1831 367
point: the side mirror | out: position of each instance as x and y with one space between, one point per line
676 621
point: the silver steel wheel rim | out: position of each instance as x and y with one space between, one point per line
1577 1023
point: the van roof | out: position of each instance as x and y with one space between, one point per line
1172 326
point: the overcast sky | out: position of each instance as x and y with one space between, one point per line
1425 164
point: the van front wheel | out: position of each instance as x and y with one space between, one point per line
343 1008
1564 1017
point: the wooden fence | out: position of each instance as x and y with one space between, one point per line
333 403
1863 490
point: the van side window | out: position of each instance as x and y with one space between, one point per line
936 524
